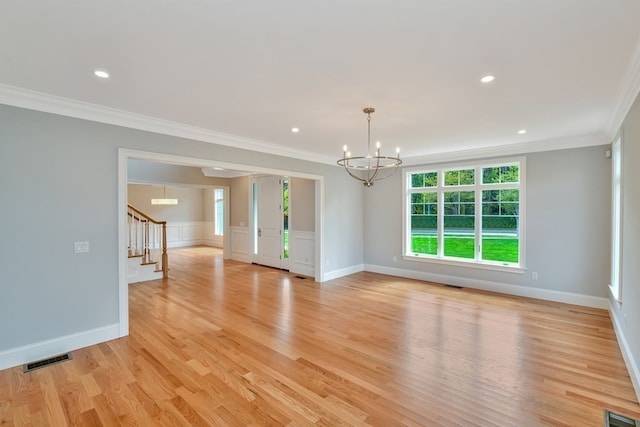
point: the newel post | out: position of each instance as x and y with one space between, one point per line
165 257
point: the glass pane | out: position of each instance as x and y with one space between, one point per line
501 174
424 225
417 180
452 197
285 214
424 179
459 177
218 206
459 225
510 173
431 179
500 226
417 209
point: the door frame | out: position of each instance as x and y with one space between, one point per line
125 154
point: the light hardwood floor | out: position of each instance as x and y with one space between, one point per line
226 343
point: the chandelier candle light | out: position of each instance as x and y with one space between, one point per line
372 167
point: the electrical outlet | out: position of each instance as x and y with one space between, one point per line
534 275
395 258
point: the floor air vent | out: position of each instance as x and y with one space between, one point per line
612 419
300 277
454 286
46 362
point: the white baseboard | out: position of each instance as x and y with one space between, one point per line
44 349
629 360
304 269
503 288
330 275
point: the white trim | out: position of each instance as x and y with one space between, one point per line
617 217
466 263
627 93
627 355
240 245
301 263
39 101
479 154
319 236
25 98
195 162
503 288
52 347
335 274
123 256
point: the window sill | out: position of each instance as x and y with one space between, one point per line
508 268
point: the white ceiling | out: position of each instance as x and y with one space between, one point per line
565 70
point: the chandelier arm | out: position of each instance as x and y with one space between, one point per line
373 177
354 175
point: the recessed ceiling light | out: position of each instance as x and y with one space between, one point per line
218 169
488 79
522 131
101 73
295 130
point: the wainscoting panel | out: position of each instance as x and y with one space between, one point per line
302 249
240 244
180 234
209 237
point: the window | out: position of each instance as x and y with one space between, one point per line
218 211
616 238
285 218
466 213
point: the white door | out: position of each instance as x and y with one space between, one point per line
270 221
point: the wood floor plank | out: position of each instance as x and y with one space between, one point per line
223 343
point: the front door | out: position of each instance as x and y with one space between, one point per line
269 222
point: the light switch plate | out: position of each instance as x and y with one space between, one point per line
81 247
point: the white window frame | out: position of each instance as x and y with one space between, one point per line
478 187
616 220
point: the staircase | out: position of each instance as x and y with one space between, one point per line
147 247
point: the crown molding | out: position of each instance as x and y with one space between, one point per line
509 149
627 93
32 100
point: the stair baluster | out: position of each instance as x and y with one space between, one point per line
145 235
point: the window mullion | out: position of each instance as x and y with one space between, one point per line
478 214
440 213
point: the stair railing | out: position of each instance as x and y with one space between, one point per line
147 238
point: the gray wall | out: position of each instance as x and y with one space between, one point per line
239 203
142 171
568 195
59 180
190 205
302 204
628 313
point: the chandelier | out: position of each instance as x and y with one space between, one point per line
372 167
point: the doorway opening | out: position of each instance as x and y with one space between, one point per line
124 155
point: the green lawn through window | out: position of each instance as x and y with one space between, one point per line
494 248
